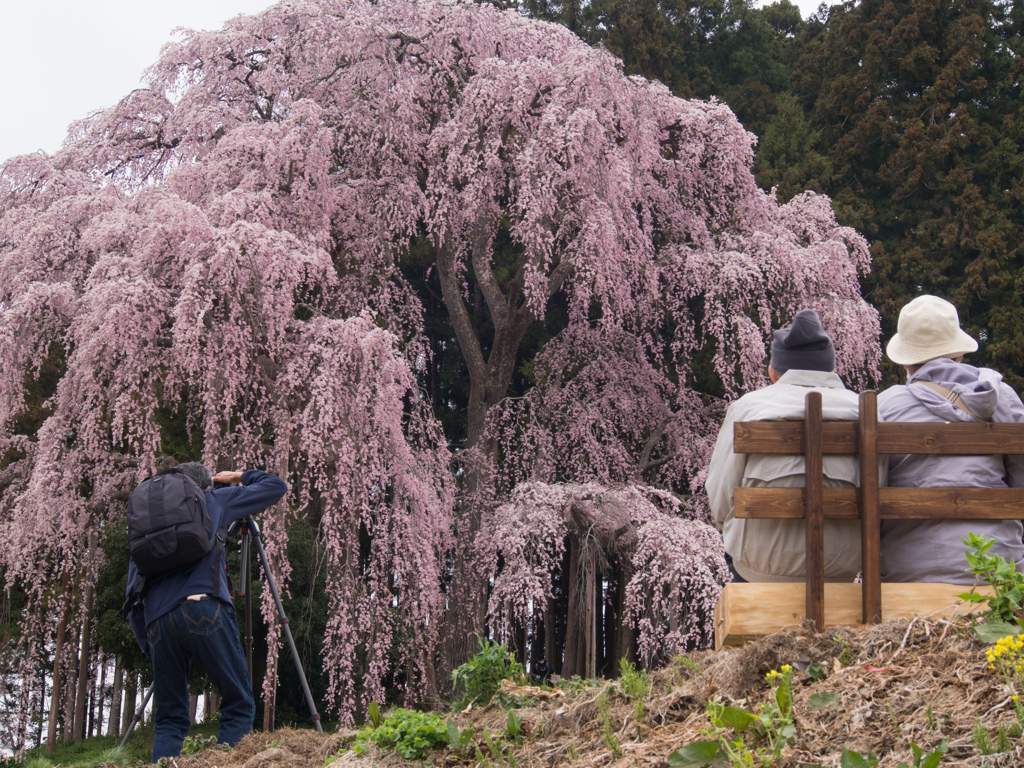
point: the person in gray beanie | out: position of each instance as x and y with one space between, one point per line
803 360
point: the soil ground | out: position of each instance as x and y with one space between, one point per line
899 683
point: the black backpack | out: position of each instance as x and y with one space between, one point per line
169 532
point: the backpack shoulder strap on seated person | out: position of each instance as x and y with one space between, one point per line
953 397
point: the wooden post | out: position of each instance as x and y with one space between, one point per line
870 530
815 511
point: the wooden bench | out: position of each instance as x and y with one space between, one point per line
746 610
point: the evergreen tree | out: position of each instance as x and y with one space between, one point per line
917 105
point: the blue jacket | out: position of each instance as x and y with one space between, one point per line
258 491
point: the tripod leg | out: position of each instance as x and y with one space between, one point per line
284 623
137 717
245 579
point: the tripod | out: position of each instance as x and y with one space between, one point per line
250 532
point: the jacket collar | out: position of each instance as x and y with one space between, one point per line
798 378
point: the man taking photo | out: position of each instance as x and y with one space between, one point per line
188 614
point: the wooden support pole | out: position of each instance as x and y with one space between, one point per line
870 530
815 504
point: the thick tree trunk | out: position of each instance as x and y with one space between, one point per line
549 635
625 635
42 708
96 725
70 688
606 664
114 721
573 663
489 377
55 692
590 620
131 692
85 652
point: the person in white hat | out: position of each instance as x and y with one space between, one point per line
803 359
940 387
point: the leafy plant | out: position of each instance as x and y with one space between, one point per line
979 735
755 740
607 732
851 759
373 711
690 664
1006 606
1007 658
846 654
481 676
514 728
408 732
195 744
815 672
635 686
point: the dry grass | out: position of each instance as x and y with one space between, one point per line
904 681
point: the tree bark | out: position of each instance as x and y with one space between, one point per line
114 721
55 692
489 380
193 705
96 727
85 650
573 663
131 692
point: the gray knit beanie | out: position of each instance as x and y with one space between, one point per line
804 345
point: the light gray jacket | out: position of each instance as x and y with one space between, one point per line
915 550
773 550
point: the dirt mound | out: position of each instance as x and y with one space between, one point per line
900 683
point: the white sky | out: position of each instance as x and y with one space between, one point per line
61 60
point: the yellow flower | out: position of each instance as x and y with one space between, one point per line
786 667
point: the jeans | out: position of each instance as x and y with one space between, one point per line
207 631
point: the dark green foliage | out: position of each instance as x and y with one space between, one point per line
918 107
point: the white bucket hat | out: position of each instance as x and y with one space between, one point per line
929 327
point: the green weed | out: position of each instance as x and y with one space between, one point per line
480 677
607 732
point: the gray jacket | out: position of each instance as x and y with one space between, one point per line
914 550
773 550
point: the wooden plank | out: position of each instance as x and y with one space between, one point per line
893 503
787 437
815 508
950 439
870 529
951 503
788 503
749 611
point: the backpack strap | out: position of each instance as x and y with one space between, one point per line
953 397
219 560
135 601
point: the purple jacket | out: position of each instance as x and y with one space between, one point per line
914 550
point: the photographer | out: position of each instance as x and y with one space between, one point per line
189 615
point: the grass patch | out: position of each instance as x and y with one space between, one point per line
105 749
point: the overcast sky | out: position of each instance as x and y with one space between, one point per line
61 60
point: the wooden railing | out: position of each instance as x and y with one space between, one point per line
868 439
